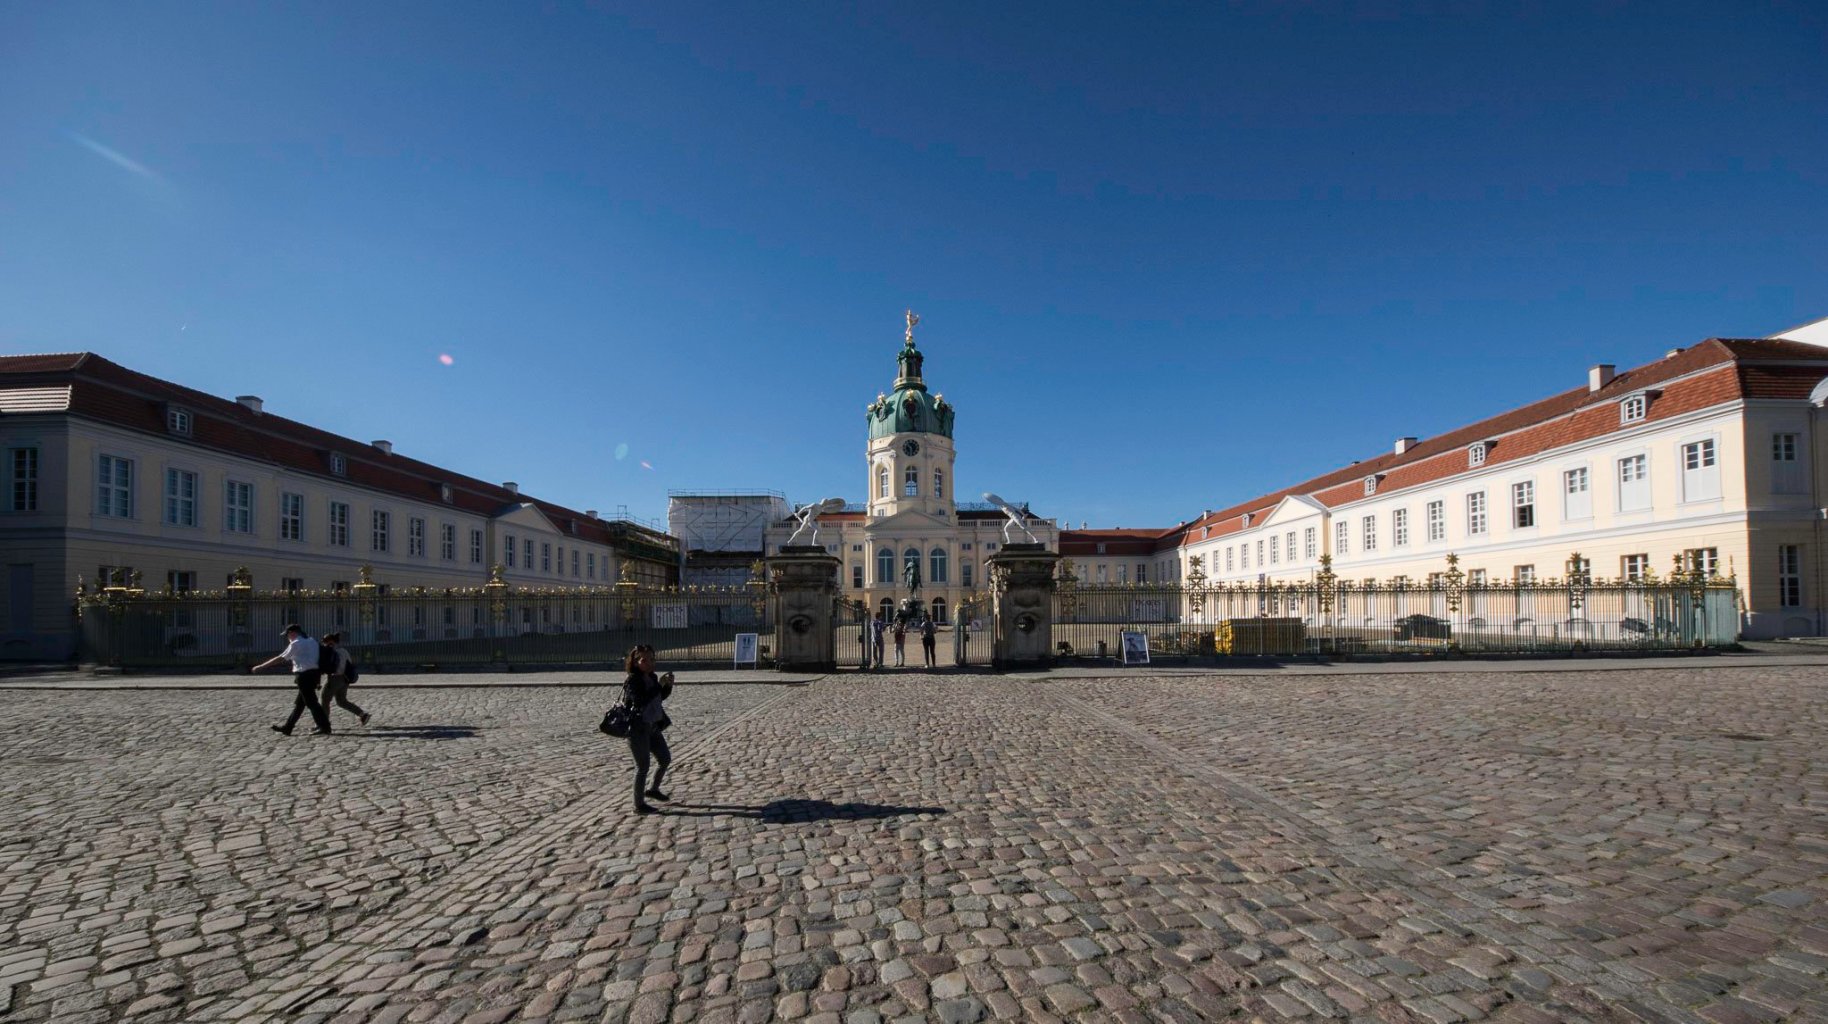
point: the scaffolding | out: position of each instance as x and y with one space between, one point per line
723 521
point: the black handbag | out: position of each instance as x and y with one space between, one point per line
618 721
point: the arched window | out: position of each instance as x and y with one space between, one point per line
936 565
939 483
912 487
887 609
939 609
882 481
885 565
911 555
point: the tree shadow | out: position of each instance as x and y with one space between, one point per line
416 732
779 812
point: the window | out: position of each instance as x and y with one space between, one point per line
1700 471
1632 409
1340 531
508 548
291 516
1399 527
380 529
1275 551
1475 455
1103 571
292 584
1524 574
1634 483
339 524
527 553
1228 557
1123 574
178 421
1142 569
447 542
22 470
180 497
939 483
964 574
590 565
885 565
1580 567
415 537
1475 578
574 563
856 577
1369 524
475 547
1790 575
237 506
1307 542
1523 504
1576 494
114 487
939 609
936 566
882 481
1631 567
545 556
911 483
1291 545
1244 556
114 576
338 464
180 581
1786 468
1370 486
1475 513
560 560
1702 560
1436 515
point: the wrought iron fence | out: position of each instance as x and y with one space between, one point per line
424 628
953 646
1329 616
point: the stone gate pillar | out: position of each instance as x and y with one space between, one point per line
1023 592
805 604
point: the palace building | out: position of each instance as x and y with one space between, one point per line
115 477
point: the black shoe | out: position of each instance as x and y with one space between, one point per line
283 730
320 732
646 809
656 794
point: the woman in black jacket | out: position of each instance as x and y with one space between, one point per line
645 692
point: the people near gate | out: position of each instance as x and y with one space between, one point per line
306 660
901 643
929 632
878 628
337 679
645 692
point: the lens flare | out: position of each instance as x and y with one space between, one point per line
622 451
446 359
646 465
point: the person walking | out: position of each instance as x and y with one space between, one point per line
646 693
901 643
336 680
303 654
929 632
877 629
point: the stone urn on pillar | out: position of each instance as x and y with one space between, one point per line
805 581
1023 594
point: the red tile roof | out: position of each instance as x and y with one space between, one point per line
106 391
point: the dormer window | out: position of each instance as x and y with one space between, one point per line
1633 408
339 466
444 493
178 421
1248 516
1370 485
1475 456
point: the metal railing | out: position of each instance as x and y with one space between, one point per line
1328 616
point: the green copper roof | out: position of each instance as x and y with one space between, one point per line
909 409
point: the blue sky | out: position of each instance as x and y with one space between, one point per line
1167 257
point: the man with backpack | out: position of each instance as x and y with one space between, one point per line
339 672
305 657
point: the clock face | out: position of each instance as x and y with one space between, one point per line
910 447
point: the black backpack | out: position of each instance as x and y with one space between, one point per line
326 658
352 674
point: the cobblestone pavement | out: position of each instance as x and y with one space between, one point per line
1419 847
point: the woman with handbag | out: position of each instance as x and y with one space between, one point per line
644 693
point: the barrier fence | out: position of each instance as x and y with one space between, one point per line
1328 616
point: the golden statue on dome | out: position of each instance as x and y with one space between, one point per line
913 318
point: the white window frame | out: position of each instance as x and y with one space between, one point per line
1310 541
176 505
939 483
1478 514
1434 520
1475 454
508 552
1291 547
380 531
1704 477
476 546
339 464
22 464
1633 408
1633 567
1790 575
291 516
1642 459
1342 535
179 421
938 566
237 518
447 541
1523 502
1369 534
1572 509
910 482
1399 527
114 480
337 527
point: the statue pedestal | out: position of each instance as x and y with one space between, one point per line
1023 592
805 597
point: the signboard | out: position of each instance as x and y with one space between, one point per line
1135 648
745 648
669 616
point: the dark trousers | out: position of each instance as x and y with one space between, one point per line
307 699
336 688
644 743
926 643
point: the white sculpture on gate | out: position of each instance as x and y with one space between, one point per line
1016 518
808 515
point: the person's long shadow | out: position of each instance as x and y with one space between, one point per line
417 732
777 812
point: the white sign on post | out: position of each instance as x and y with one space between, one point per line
745 648
669 616
1135 648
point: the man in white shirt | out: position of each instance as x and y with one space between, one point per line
301 651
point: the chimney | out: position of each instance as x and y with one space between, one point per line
590 513
1672 353
1600 376
1403 444
511 487
251 402
387 447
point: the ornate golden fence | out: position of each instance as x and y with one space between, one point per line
494 625
1445 613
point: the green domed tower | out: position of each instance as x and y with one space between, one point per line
910 444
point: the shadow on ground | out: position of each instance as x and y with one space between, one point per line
417 732
776 812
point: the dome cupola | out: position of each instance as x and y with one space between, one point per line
909 409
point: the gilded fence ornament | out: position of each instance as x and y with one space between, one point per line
1325 584
1579 577
1455 581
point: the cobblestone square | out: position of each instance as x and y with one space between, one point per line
1641 844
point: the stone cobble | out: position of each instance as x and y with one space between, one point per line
1437 847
